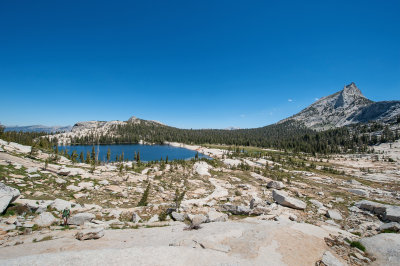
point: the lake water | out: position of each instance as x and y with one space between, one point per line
147 152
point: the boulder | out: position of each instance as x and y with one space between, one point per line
334 214
234 209
390 226
7 196
64 171
260 210
359 192
31 170
283 199
92 233
330 260
196 220
176 216
392 213
7 227
136 218
275 185
104 182
60 180
389 212
384 247
44 219
214 216
154 219
81 218
371 206
317 204
74 188
37 206
60 204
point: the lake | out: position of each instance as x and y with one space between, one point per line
147 152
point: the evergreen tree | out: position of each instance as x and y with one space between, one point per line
108 155
138 157
93 155
143 200
74 156
87 157
81 157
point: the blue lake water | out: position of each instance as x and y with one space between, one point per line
147 152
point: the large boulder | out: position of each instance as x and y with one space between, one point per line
389 213
392 213
92 233
31 170
37 206
44 219
359 192
371 206
275 185
177 216
234 209
334 214
81 218
214 216
196 220
282 198
60 204
384 247
136 218
7 196
393 226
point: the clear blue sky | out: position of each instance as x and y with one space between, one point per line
191 64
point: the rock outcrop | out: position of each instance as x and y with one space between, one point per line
87 234
282 198
7 196
384 247
44 219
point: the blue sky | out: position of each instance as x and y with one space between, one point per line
191 64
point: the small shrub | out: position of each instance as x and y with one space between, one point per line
357 244
388 231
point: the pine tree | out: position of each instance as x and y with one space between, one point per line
108 155
74 156
87 157
166 159
138 157
143 200
93 156
81 157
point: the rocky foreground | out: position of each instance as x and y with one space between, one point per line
263 208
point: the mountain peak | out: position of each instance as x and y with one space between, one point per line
133 119
352 90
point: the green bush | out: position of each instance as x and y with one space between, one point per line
356 244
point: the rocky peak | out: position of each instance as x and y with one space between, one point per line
345 107
349 95
133 119
352 90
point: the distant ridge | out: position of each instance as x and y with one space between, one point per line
39 128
